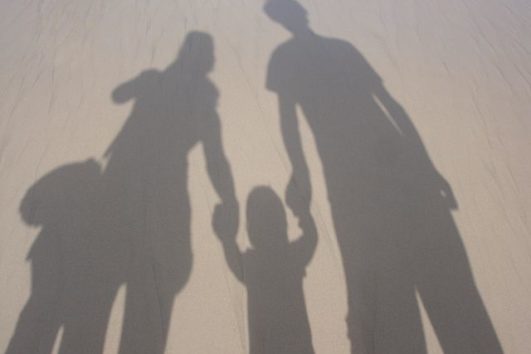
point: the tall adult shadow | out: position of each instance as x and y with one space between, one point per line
133 227
391 208
147 170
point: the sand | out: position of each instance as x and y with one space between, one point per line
123 124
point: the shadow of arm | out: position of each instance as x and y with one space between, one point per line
218 167
399 116
306 244
299 183
225 231
130 89
233 256
226 214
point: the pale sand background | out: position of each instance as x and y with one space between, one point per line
460 68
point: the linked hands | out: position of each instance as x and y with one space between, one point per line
225 223
298 196
225 220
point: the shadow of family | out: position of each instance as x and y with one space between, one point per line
128 224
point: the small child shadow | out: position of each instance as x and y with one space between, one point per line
61 204
272 271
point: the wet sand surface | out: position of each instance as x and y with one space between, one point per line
391 140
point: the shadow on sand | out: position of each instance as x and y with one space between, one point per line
391 208
272 271
128 224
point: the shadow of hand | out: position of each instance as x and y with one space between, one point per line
225 220
446 192
298 200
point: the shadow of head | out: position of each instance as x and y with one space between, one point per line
266 219
289 13
196 55
60 193
194 61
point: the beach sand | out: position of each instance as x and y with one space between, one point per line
115 137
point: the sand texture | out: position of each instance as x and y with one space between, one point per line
237 176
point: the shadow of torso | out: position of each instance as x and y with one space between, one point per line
278 320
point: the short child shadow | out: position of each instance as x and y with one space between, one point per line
60 203
272 271
128 225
